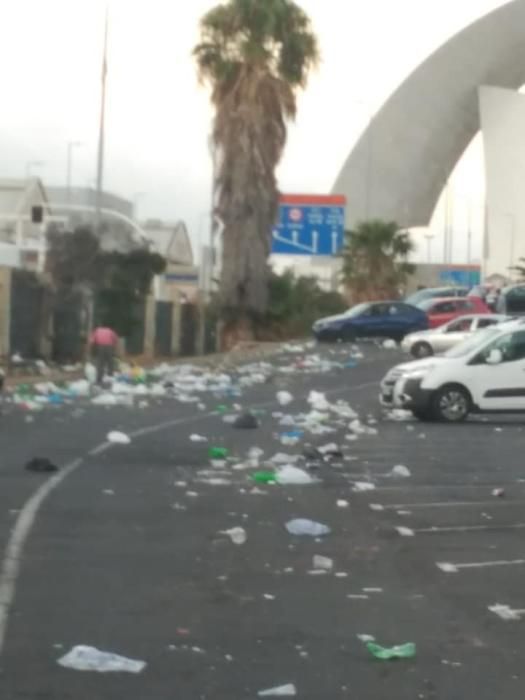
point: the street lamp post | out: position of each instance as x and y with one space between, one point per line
70 146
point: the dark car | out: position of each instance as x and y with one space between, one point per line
436 293
378 319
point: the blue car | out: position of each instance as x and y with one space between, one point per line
378 319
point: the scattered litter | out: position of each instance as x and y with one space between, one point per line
405 532
291 438
288 690
505 612
284 398
365 638
281 458
330 449
400 472
246 422
236 534
318 401
90 372
342 503
323 563
198 438
399 415
41 465
264 477
85 658
362 486
357 596
403 651
117 438
218 453
498 493
290 475
303 526
377 507
108 492
372 590
390 344
268 596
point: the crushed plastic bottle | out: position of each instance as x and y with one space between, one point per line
402 651
85 658
218 453
322 563
118 438
264 477
304 527
236 534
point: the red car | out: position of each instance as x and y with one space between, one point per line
440 311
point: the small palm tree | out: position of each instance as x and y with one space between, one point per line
256 55
375 260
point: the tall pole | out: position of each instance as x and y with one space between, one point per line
102 124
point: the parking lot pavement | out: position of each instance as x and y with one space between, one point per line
129 555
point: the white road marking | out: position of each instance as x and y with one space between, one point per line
448 504
11 563
458 528
450 568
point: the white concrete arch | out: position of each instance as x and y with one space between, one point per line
399 166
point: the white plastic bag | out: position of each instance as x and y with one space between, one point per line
85 658
303 526
288 690
117 438
293 476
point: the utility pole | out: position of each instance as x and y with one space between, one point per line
102 125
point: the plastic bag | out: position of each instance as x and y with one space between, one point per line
303 526
84 658
293 476
288 690
403 651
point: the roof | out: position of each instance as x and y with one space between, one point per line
16 195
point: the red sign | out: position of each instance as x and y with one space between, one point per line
319 200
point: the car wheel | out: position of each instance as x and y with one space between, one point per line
451 404
421 350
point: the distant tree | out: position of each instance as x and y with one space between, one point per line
376 260
256 56
76 264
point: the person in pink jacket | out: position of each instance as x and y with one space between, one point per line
103 343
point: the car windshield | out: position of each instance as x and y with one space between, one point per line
357 310
469 345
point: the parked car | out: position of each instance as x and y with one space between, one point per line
436 293
511 300
488 293
485 373
378 319
441 339
441 311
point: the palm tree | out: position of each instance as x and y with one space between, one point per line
255 55
375 260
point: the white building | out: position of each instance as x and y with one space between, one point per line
503 126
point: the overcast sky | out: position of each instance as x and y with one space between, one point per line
159 117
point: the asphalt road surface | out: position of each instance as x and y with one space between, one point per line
125 552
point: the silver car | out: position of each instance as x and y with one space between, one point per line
438 340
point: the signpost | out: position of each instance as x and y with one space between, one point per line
310 225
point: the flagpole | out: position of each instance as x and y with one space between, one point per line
102 124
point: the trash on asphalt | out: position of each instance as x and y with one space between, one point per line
264 477
118 438
236 534
291 438
323 563
290 475
341 503
41 465
403 651
86 658
247 421
287 690
400 472
318 401
498 493
363 486
282 458
198 438
390 344
218 453
284 398
310 528
90 372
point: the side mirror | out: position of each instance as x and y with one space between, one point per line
495 357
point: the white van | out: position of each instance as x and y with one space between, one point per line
486 373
